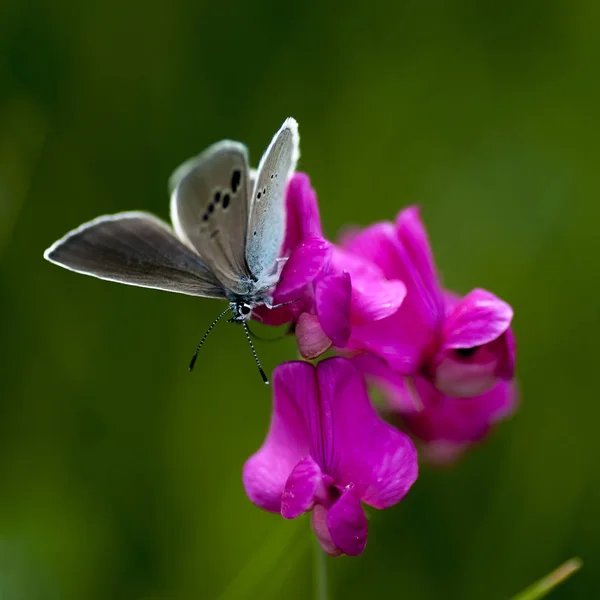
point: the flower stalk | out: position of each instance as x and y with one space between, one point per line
320 574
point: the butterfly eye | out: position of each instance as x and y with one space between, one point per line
245 309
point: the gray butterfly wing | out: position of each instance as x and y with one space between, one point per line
138 249
266 226
209 211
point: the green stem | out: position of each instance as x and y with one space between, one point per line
320 573
540 588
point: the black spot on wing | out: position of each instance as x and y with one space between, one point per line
226 199
236 179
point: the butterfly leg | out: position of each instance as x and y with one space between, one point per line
270 306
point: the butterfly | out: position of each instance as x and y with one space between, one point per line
228 230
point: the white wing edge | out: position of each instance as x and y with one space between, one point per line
101 219
176 222
185 169
291 124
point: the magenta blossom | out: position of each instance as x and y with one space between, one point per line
464 347
327 451
445 426
324 291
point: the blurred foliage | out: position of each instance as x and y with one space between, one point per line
120 471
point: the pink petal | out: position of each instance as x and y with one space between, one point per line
374 297
419 262
301 426
365 450
442 453
288 441
332 302
399 340
465 376
502 402
459 420
347 523
398 390
301 488
404 338
378 244
312 340
479 318
304 264
277 316
318 520
506 368
348 234
302 212
373 300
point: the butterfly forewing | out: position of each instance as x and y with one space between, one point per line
266 227
209 210
138 249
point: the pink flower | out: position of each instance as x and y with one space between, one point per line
325 291
443 363
463 346
327 451
445 426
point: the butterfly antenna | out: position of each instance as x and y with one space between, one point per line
260 369
193 361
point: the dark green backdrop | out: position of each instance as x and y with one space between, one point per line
119 471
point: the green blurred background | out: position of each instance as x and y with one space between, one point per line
120 471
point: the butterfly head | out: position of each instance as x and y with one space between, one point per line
240 311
